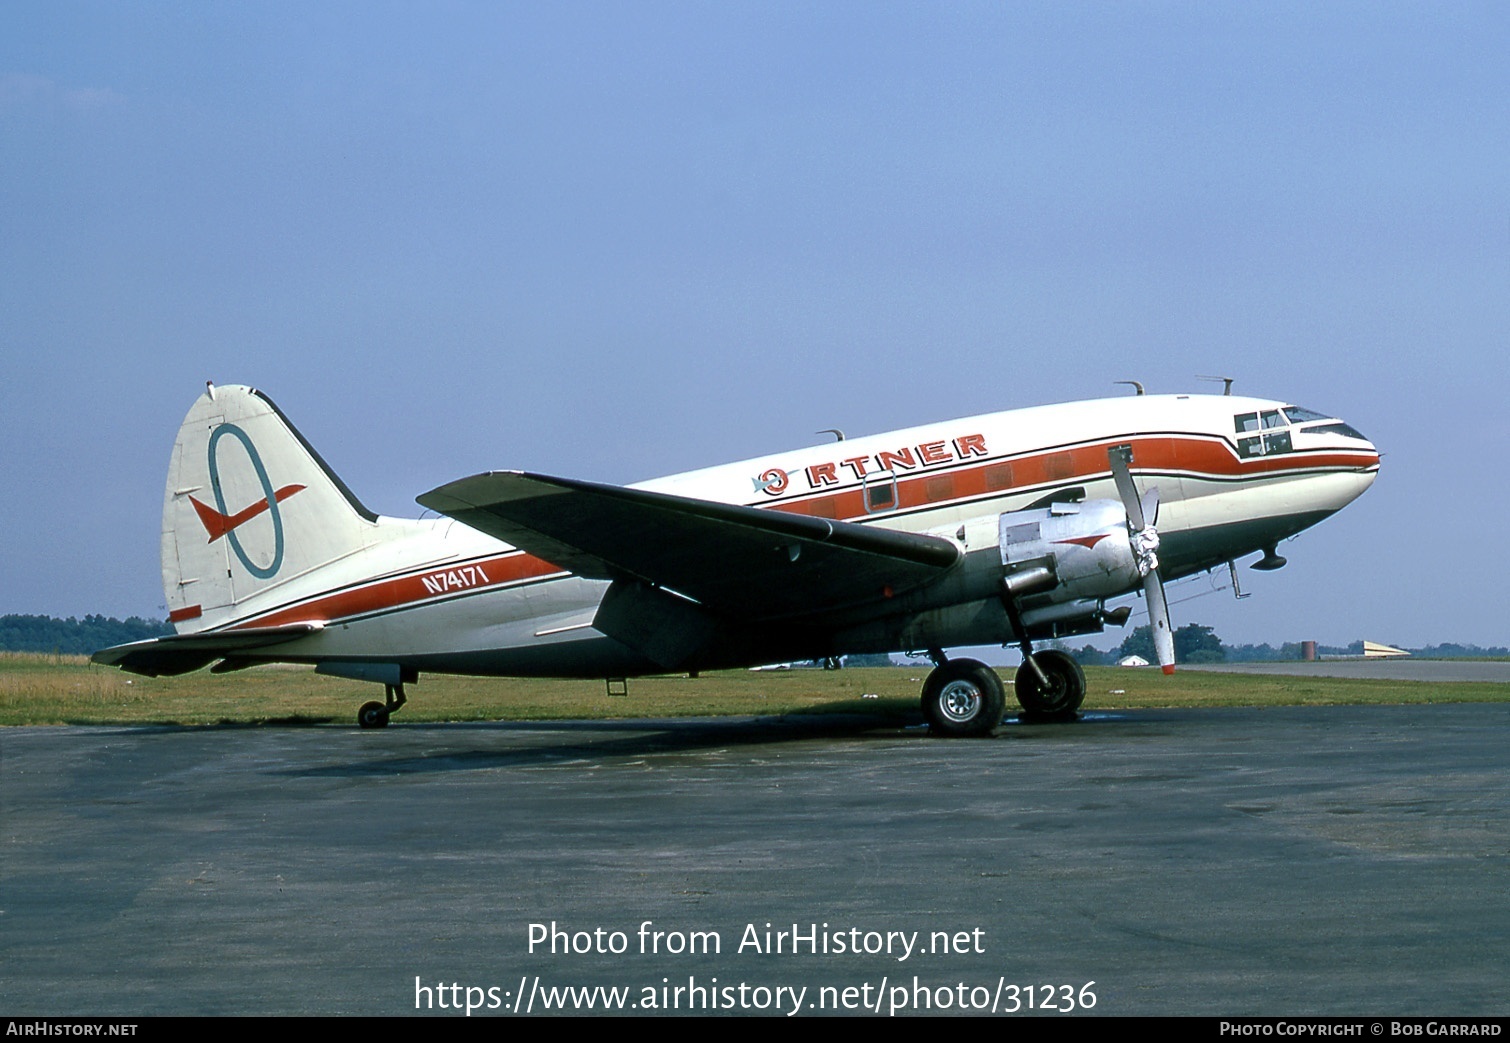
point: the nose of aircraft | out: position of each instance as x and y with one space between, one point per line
1364 453
1348 438
1372 464
1348 461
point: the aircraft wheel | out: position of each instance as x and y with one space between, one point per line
1065 691
373 715
963 698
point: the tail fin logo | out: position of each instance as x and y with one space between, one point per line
218 521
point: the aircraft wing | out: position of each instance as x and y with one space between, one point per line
741 562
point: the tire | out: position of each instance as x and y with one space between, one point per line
1063 696
963 698
373 715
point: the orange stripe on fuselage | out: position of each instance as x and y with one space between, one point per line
403 591
1201 456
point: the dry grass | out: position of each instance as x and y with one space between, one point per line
49 689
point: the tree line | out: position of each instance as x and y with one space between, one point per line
1195 643
75 636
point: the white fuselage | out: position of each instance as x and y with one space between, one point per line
1235 476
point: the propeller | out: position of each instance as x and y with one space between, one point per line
1142 516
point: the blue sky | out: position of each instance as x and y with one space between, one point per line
625 239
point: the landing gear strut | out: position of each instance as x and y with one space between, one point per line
1050 685
375 714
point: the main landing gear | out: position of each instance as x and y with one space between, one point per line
1050 684
962 697
375 714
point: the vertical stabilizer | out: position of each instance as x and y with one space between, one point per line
249 507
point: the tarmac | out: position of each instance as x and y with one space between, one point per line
1282 861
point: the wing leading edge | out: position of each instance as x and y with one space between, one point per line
740 562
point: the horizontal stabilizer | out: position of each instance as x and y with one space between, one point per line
741 562
184 653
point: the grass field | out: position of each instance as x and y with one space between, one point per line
39 689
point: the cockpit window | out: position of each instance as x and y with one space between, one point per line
1345 430
1275 436
1267 432
1268 419
1298 415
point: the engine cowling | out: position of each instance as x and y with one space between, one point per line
1085 547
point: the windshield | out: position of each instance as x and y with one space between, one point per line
1299 414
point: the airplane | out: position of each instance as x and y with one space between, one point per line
1010 528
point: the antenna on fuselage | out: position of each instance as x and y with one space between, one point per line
1226 382
838 435
1135 384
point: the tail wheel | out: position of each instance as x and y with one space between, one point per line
963 698
1064 693
373 715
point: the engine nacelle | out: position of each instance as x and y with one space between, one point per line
1085 546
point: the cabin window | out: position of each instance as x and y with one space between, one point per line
998 476
940 488
880 491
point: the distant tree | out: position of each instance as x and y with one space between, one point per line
1138 643
1193 643
1453 650
1090 655
1262 653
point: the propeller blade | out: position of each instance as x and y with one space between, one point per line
1120 457
1158 621
1142 513
1150 507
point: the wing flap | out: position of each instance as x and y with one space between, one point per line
742 562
